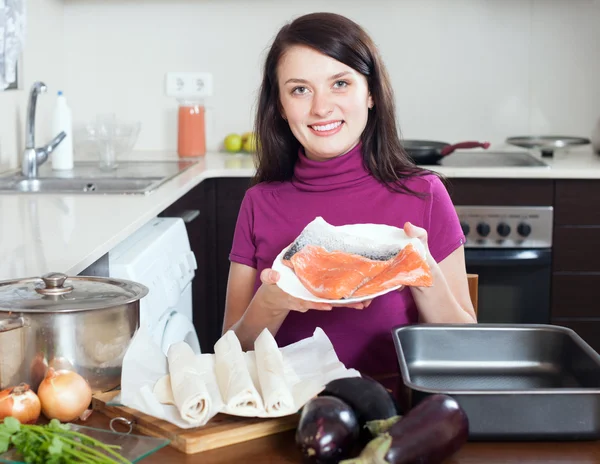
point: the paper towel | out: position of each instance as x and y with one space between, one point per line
309 365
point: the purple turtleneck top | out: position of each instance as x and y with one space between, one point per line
343 192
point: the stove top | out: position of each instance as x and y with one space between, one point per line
487 159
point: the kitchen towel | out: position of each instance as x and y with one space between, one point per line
153 384
12 35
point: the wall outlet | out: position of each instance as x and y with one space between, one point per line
188 84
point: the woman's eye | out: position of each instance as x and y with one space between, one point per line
340 84
299 90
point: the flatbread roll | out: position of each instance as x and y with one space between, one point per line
233 377
276 394
193 384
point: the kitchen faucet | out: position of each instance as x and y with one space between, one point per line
34 157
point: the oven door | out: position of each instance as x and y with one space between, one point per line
514 284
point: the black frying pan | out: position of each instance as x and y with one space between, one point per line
429 152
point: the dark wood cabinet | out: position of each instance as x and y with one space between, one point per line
197 208
576 263
576 248
577 202
210 211
501 192
229 195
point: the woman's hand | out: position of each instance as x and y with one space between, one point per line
413 231
276 300
448 300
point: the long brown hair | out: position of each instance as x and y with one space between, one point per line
343 40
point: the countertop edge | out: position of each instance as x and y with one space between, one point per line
114 224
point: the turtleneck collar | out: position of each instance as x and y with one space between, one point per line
336 173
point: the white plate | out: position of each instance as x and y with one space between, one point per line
379 233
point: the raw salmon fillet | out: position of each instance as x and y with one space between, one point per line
333 275
339 275
407 268
336 265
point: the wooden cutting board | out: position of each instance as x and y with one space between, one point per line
221 430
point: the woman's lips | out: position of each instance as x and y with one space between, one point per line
327 129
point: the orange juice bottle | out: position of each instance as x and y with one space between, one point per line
191 129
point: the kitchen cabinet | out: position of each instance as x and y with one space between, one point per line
576 263
210 233
576 248
197 208
501 192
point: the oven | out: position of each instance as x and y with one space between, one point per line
510 248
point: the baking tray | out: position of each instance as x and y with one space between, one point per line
515 382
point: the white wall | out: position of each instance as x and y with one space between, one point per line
43 59
461 69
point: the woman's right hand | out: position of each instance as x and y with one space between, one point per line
276 300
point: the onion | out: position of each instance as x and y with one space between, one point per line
21 403
64 395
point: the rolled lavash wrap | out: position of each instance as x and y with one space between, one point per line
276 394
235 382
191 385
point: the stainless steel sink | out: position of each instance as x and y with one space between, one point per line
90 185
134 177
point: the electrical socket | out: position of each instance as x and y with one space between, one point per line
189 84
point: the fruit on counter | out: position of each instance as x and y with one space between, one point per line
327 430
20 402
65 395
55 442
233 143
429 433
367 397
249 142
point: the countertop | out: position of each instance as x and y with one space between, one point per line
41 233
281 448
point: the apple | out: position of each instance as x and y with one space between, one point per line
233 143
249 142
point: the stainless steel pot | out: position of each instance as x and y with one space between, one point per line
79 323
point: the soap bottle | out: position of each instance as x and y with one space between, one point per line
62 156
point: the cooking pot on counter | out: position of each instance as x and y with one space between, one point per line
84 324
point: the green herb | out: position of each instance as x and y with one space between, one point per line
55 443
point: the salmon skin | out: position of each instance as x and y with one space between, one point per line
320 233
339 266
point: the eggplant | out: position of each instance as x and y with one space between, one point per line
368 398
327 430
431 432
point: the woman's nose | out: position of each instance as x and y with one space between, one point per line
322 105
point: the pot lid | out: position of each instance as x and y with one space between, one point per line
58 292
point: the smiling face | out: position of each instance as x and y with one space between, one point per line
325 102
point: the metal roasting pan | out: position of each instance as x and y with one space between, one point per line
515 382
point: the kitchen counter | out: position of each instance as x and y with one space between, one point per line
41 233
280 448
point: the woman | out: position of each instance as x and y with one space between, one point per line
329 147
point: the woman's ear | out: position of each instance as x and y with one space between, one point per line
370 102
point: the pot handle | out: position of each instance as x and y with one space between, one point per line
54 284
12 323
450 148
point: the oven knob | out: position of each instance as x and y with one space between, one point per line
465 228
524 229
503 229
483 229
